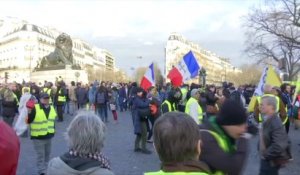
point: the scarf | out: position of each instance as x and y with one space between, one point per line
104 162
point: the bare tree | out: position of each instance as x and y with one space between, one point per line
250 75
274 33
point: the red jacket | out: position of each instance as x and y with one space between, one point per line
9 150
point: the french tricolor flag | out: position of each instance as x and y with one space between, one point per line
148 79
187 69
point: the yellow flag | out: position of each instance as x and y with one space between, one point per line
272 79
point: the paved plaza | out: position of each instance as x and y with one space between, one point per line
119 149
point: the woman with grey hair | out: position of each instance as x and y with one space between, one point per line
85 136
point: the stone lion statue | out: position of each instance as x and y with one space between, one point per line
62 55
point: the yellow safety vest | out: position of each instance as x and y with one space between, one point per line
61 98
188 108
48 91
41 126
184 92
277 106
15 97
175 173
169 105
222 144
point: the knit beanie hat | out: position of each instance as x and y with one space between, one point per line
231 113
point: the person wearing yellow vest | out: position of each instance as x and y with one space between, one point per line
60 100
224 146
270 91
47 89
171 103
184 91
193 108
177 142
41 119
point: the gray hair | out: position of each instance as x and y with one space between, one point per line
272 101
86 133
267 88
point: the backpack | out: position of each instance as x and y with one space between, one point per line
100 98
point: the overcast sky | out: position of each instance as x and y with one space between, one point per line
132 28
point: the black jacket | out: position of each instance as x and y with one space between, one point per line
275 139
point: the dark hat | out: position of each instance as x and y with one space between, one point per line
231 113
44 95
139 90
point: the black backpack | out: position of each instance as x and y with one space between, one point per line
100 98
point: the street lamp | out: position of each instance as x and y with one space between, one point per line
202 76
29 48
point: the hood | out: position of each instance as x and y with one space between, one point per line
58 166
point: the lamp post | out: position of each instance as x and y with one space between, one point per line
29 48
202 76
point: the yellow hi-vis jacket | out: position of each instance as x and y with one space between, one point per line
221 143
169 105
61 98
175 173
41 126
188 109
48 91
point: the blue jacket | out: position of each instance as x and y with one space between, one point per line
92 94
122 93
139 103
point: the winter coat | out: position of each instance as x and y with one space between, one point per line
83 167
92 94
9 108
139 103
72 93
213 155
275 139
82 96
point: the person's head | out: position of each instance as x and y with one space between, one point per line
86 133
153 90
176 138
139 92
268 89
195 93
175 94
73 83
212 88
232 117
286 88
268 105
26 90
276 91
44 98
220 91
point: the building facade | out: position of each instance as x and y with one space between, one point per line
23 45
217 68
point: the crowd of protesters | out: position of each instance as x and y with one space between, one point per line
171 117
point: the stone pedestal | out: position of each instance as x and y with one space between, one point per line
68 74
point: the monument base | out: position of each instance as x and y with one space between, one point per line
68 74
